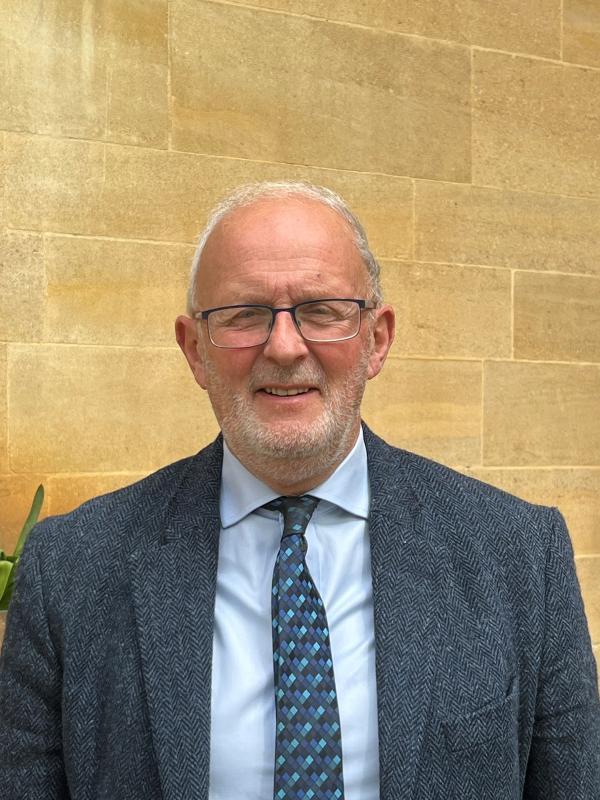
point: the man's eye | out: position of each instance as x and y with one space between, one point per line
323 312
322 309
247 313
243 317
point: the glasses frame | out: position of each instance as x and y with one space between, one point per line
362 306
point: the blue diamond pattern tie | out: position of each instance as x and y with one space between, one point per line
308 746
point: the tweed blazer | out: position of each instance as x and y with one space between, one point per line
485 676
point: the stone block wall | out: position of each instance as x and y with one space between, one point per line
466 135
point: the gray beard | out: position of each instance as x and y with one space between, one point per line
295 453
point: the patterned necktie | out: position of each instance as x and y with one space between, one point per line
308 746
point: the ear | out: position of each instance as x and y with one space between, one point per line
382 335
187 334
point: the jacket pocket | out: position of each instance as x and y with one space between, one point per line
492 721
482 752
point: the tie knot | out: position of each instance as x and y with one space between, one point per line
296 511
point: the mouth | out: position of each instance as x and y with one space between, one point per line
285 391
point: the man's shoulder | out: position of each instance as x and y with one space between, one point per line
119 518
451 494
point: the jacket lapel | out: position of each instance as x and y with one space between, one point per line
173 579
407 593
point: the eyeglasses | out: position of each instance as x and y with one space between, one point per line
327 320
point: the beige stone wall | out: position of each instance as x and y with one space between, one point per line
466 135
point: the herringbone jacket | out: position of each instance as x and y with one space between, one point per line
485 675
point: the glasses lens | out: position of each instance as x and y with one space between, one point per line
328 320
240 326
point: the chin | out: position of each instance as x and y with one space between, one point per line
285 439
315 444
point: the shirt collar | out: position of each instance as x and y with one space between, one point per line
347 487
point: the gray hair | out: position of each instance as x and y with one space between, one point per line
249 193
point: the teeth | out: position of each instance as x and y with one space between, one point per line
285 392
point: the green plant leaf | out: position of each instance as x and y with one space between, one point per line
8 592
5 571
31 519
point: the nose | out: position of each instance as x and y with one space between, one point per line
285 343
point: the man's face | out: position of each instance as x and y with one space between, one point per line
280 252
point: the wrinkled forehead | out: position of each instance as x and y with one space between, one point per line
275 232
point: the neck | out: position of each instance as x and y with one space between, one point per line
278 480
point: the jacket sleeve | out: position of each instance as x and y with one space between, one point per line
31 762
564 760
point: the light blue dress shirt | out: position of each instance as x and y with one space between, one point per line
243 697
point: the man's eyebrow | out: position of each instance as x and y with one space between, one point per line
252 298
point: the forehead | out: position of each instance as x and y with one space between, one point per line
281 239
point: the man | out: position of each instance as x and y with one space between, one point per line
300 610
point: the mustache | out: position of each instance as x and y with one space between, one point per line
305 374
